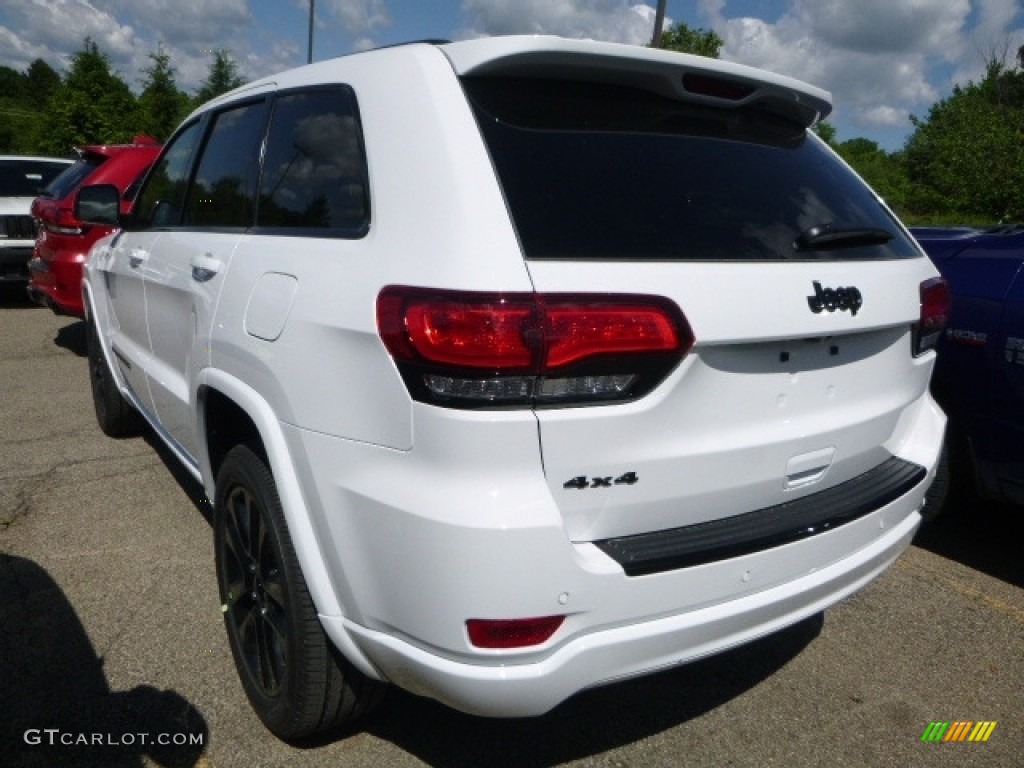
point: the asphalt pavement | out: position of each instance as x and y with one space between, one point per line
112 648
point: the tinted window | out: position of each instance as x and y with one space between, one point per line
27 177
223 192
160 201
314 174
594 171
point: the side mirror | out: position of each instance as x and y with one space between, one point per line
99 204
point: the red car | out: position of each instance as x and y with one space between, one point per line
63 241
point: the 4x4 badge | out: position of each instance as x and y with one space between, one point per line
835 298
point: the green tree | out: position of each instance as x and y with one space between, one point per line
13 115
222 78
41 80
161 104
91 106
703 42
826 132
966 159
883 171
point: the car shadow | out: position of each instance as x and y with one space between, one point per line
591 722
982 535
58 708
192 488
72 338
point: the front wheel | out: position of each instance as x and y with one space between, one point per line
114 414
294 678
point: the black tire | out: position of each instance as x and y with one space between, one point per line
955 484
937 496
115 415
296 681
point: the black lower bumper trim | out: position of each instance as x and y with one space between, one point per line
764 528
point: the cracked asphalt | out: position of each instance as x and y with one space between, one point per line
112 650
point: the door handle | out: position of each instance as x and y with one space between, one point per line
205 267
137 256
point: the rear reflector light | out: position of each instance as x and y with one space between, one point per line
512 633
936 304
467 349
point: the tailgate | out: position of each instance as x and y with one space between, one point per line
774 402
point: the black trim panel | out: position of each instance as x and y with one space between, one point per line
766 528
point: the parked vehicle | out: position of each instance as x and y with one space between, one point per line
64 241
517 366
979 375
21 179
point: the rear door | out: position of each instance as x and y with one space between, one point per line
186 268
800 288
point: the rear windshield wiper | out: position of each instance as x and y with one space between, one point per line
827 238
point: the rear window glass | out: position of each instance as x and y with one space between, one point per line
28 177
314 173
597 171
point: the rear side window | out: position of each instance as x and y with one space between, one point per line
605 172
223 193
314 171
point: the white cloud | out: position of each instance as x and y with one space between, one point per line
884 115
885 26
359 16
993 37
45 24
609 20
875 56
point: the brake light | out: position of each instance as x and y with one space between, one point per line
512 633
476 349
719 88
65 223
936 305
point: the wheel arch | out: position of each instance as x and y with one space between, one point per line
230 412
92 314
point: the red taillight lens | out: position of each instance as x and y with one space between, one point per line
475 349
489 335
65 223
577 331
512 633
936 304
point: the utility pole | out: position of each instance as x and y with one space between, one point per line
309 57
659 22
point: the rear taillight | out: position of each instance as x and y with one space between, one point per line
512 633
936 304
467 349
65 223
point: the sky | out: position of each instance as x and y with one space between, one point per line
882 60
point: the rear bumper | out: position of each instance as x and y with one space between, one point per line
416 543
601 657
57 284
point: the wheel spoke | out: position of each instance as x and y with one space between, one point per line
237 557
270 654
274 589
248 631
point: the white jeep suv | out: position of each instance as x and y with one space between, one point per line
517 366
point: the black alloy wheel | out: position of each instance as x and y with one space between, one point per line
296 681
